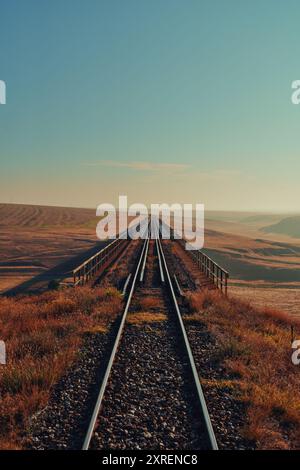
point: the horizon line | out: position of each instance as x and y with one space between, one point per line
58 206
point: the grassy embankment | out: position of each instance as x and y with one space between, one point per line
254 346
43 335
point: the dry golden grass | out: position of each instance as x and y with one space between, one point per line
42 335
138 318
149 303
276 296
255 347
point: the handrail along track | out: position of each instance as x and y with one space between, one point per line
91 267
208 266
212 270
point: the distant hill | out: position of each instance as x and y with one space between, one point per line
262 218
23 215
287 226
253 219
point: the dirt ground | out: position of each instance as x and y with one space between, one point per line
43 243
39 243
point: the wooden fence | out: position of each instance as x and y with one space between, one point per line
211 270
209 267
98 262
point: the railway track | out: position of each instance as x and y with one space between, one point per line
150 396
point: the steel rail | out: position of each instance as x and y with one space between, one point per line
162 277
178 286
205 413
91 266
163 268
126 285
144 262
93 420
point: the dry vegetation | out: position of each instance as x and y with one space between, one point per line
146 310
19 215
36 239
275 296
43 335
151 302
263 266
139 318
255 347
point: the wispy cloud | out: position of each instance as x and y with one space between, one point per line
140 166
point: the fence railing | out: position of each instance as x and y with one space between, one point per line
209 267
211 270
98 262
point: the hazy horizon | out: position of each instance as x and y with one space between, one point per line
162 101
262 212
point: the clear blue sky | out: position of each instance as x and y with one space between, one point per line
163 100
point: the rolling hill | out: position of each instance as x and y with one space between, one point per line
288 226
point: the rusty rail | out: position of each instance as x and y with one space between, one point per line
96 263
